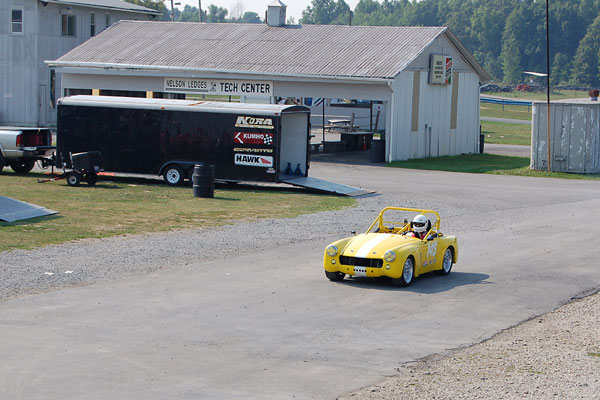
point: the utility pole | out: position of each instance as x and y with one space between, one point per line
172 13
200 10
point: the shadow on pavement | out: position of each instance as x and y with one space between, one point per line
425 284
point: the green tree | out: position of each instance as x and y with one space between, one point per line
326 12
585 63
250 17
216 14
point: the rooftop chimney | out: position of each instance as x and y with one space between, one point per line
276 13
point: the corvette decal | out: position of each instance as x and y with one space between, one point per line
371 244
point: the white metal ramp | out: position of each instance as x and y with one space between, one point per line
324 186
12 210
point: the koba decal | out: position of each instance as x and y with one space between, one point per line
253 138
254 122
253 161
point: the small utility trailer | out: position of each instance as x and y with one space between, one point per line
245 142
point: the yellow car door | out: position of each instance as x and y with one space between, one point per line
429 251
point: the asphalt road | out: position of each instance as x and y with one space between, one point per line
266 324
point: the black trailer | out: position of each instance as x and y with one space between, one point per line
245 142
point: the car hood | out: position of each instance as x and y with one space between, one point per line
374 245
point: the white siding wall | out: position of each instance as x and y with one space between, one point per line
25 79
433 136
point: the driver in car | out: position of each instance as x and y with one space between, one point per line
419 227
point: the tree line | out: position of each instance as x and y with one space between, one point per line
507 37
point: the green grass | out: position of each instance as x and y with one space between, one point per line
506 133
486 164
541 95
509 111
122 207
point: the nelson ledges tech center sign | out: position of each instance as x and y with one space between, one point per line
218 86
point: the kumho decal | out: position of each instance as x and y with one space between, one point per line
253 138
253 161
254 122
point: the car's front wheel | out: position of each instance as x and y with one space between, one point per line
408 274
335 276
446 262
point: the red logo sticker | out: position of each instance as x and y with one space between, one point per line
253 138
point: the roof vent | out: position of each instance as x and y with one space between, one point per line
276 13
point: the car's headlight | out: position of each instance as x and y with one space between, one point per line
389 256
332 251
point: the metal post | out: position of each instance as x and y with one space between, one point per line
323 122
172 13
548 80
199 10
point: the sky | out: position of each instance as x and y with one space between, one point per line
294 7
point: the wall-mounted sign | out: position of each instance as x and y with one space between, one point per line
218 86
440 70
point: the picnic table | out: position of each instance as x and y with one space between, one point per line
343 125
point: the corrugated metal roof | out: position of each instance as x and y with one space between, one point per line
308 50
110 4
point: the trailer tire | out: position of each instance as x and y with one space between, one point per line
1 162
73 178
91 178
22 166
173 175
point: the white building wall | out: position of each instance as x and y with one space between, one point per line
433 136
25 79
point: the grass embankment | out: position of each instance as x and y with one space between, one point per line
131 207
506 133
485 164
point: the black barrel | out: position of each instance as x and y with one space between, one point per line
378 151
481 143
203 181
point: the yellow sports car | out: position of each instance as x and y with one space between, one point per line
399 250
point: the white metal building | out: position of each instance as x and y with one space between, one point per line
574 136
32 31
428 82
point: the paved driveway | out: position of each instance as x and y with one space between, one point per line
267 324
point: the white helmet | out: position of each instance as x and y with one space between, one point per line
419 223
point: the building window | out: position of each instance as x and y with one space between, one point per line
16 19
107 21
92 24
68 25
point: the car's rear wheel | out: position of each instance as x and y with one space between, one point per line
335 276
408 274
22 166
1 162
446 262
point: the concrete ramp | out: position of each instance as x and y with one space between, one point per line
325 186
12 210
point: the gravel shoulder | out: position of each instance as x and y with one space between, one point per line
553 356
